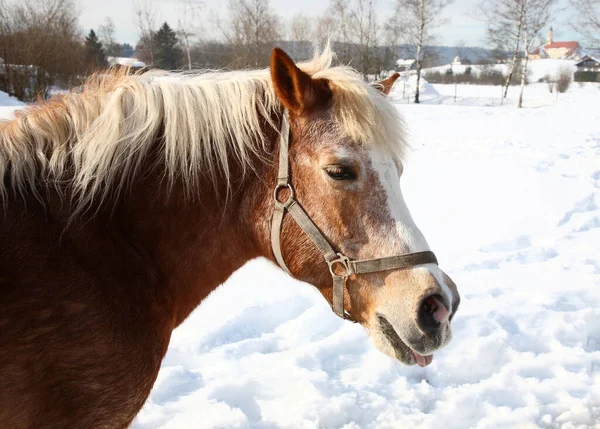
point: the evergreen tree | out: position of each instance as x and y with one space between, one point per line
94 53
126 50
167 52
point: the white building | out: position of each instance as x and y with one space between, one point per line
405 64
134 63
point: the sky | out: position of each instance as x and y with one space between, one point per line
460 24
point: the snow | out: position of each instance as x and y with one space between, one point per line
126 61
549 67
535 94
509 199
405 86
8 105
537 69
462 68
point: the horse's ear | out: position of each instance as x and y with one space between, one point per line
385 86
296 90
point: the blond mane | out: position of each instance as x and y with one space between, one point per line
96 139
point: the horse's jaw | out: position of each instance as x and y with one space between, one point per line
413 350
386 339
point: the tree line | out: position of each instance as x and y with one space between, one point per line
43 46
242 39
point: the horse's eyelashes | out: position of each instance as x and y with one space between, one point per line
340 172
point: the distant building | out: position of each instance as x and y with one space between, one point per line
588 69
556 50
405 65
588 63
132 63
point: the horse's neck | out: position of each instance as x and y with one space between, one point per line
196 244
192 244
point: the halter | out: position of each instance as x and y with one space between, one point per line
340 266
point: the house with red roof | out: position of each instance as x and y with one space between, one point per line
556 50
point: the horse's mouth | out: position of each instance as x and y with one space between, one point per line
403 352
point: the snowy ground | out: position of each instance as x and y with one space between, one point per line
537 69
534 95
510 202
8 105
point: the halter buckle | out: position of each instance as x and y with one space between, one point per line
290 198
342 261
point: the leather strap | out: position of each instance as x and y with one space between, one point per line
312 231
276 224
398 262
317 237
340 266
283 177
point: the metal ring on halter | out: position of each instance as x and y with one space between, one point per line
344 262
290 197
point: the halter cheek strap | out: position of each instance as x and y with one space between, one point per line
340 266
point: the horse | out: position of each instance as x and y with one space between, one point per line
126 202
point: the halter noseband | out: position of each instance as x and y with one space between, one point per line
340 266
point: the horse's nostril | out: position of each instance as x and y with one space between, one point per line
432 314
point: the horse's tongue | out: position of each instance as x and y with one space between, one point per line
422 361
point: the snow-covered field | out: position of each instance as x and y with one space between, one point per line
537 69
510 202
8 105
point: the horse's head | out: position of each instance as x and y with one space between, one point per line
350 189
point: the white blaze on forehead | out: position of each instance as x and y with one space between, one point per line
407 238
343 153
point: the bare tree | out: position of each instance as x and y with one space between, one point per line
300 31
41 45
7 47
185 35
535 17
339 14
145 21
526 43
107 36
359 30
326 29
393 31
367 30
420 18
587 20
505 19
187 26
252 30
301 28
460 49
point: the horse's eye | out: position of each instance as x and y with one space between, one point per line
340 172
